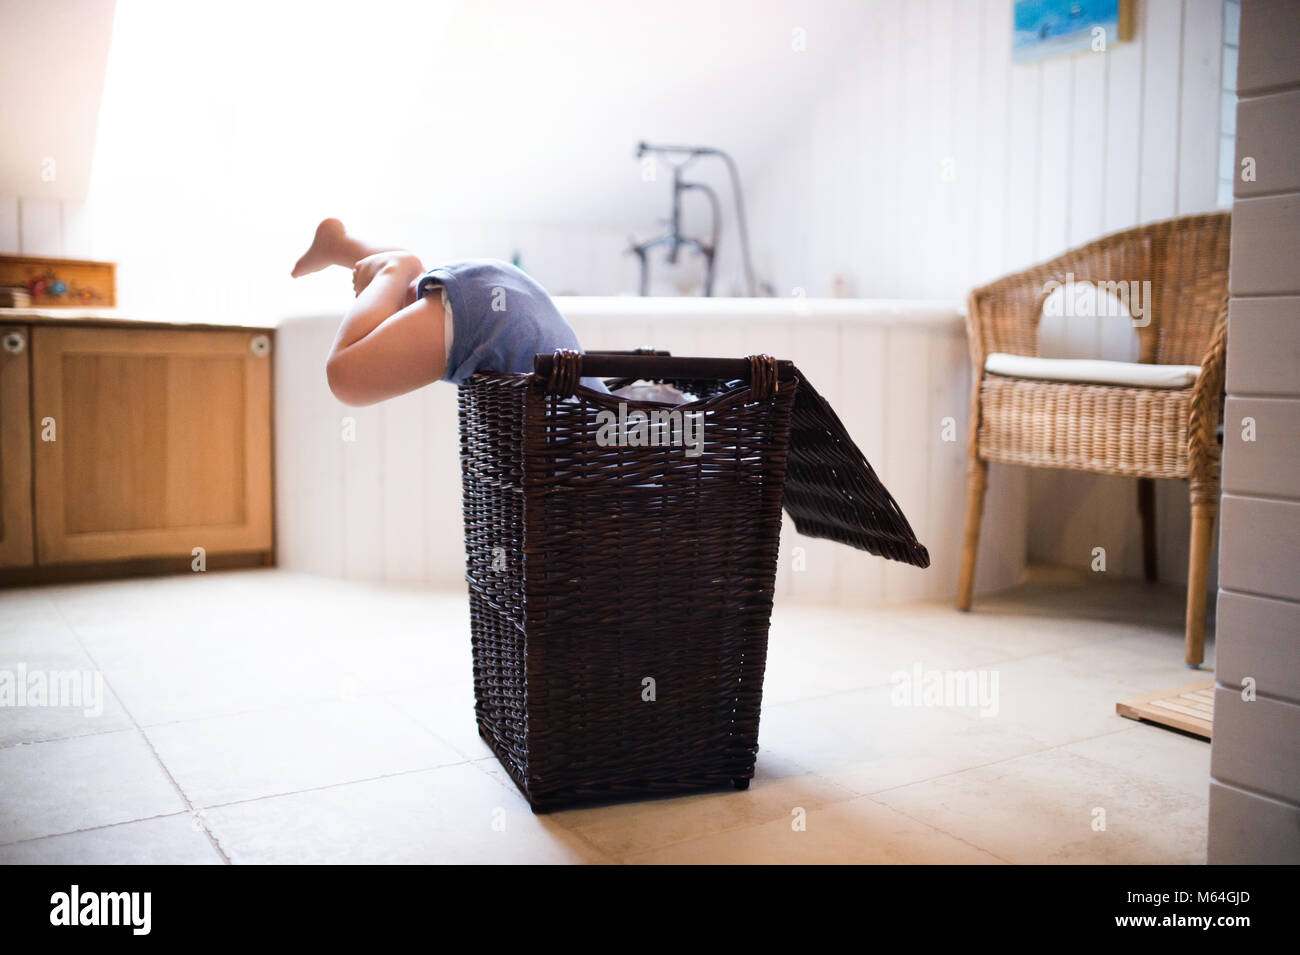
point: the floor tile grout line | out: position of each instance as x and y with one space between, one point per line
199 811
252 711
989 665
1047 748
509 787
71 736
258 710
108 825
624 859
428 729
940 829
189 805
849 797
334 785
823 697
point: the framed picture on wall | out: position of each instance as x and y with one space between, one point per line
1044 28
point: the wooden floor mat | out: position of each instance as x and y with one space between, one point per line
1188 708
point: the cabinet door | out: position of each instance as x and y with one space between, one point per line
15 450
161 442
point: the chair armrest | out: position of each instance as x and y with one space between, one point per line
1206 411
1003 315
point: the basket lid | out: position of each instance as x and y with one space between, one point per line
830 489
832 492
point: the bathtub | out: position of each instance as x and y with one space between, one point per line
374 493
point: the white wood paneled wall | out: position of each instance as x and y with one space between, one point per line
45 227
386 506
1041 157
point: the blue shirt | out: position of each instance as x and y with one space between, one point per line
501 318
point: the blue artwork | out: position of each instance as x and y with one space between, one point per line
1048 27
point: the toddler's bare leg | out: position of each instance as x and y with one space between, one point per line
334 245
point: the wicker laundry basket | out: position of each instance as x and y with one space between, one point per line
620 595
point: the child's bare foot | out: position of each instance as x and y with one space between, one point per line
326 249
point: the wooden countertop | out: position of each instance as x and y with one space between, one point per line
110 317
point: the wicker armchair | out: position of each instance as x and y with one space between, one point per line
1146 433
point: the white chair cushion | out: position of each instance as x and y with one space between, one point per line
1129 374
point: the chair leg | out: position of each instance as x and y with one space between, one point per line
1147 511
1198 575
977 479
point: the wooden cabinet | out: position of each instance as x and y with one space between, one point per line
128 446
149 442
15 449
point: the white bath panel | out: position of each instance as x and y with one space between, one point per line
404 488
719 340
861 405
673 335
815 348
626 331
388 503
593 333
908 443
444 521
362 447
308 453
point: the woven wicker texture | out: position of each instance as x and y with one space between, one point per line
1146 433
832 492
1085 427
596 567
1111 430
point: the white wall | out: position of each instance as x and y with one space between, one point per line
39 225
51 77
1255 756
453 128
1046 156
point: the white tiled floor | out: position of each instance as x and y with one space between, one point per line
263 716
